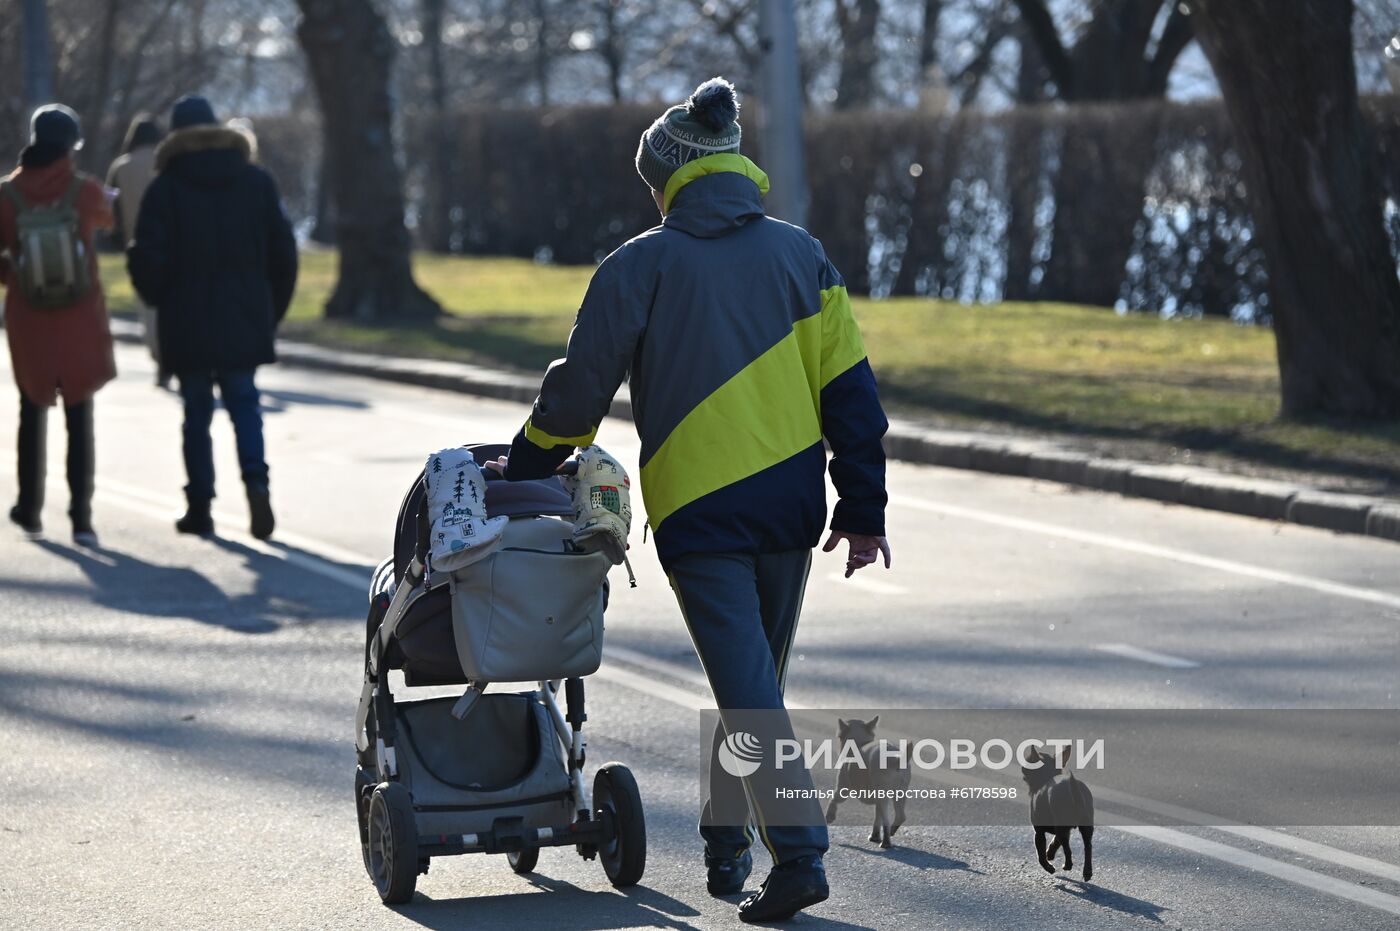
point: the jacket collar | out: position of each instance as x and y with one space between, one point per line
711 165
714 195
204 138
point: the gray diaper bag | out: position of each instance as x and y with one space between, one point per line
533 609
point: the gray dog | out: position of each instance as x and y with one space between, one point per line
874 775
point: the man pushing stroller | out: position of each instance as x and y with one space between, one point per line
743 356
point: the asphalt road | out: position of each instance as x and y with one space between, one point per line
177 714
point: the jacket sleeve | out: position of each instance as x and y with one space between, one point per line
148 257
96 206
853 422
281 252
578 389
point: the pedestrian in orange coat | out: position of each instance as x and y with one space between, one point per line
55 351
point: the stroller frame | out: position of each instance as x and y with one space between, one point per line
607 823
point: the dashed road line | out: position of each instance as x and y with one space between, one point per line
1128 651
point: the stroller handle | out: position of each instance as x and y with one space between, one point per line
568 468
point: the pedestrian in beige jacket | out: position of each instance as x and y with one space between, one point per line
130 175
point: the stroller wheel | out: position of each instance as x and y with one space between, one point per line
619 803
364 786
393 843
524 861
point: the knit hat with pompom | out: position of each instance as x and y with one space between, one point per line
706 124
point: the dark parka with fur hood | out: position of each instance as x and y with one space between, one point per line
213 252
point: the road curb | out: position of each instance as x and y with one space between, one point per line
910 442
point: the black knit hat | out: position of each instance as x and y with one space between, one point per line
191 110
55 127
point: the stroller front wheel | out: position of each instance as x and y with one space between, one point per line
619 803
393 843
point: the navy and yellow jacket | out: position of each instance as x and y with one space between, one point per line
743 355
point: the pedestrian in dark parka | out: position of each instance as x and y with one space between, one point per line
215 255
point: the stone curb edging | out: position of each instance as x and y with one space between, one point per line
1028 458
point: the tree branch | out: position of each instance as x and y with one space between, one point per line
1041 27
1176 35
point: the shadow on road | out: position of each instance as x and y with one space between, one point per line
124 583
1116 901
586 910
918 859
277 401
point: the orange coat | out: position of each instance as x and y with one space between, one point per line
65 350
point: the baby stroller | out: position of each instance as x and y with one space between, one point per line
497 772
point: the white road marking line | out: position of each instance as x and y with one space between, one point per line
692 701
1289 872
1128 651
1149 549
873 586
1263 835
1308 848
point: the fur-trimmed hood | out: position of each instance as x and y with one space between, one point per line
206 138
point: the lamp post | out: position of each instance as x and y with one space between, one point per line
780 118
38 70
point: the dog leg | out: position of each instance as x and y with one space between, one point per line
1040 850
886 808
1086 834
1062 840
831 812
1054 847
898 815
875 829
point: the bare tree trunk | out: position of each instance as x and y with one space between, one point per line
96 134
1289 80
1092 237
542 51
437 212
323 223
857 20
928 38
350 53
611 48
1025 157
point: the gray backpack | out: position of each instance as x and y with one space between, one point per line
50 257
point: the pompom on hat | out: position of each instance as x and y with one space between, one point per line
706 124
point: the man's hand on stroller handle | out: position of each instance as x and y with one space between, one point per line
864 550
498 466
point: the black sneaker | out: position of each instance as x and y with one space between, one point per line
85 536
261 521
789 888
727 875
31 526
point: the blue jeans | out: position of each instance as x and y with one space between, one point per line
240 398
742 612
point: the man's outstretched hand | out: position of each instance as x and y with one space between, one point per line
864 550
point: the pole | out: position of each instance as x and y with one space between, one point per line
38 70
780 119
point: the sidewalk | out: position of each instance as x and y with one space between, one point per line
913 442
